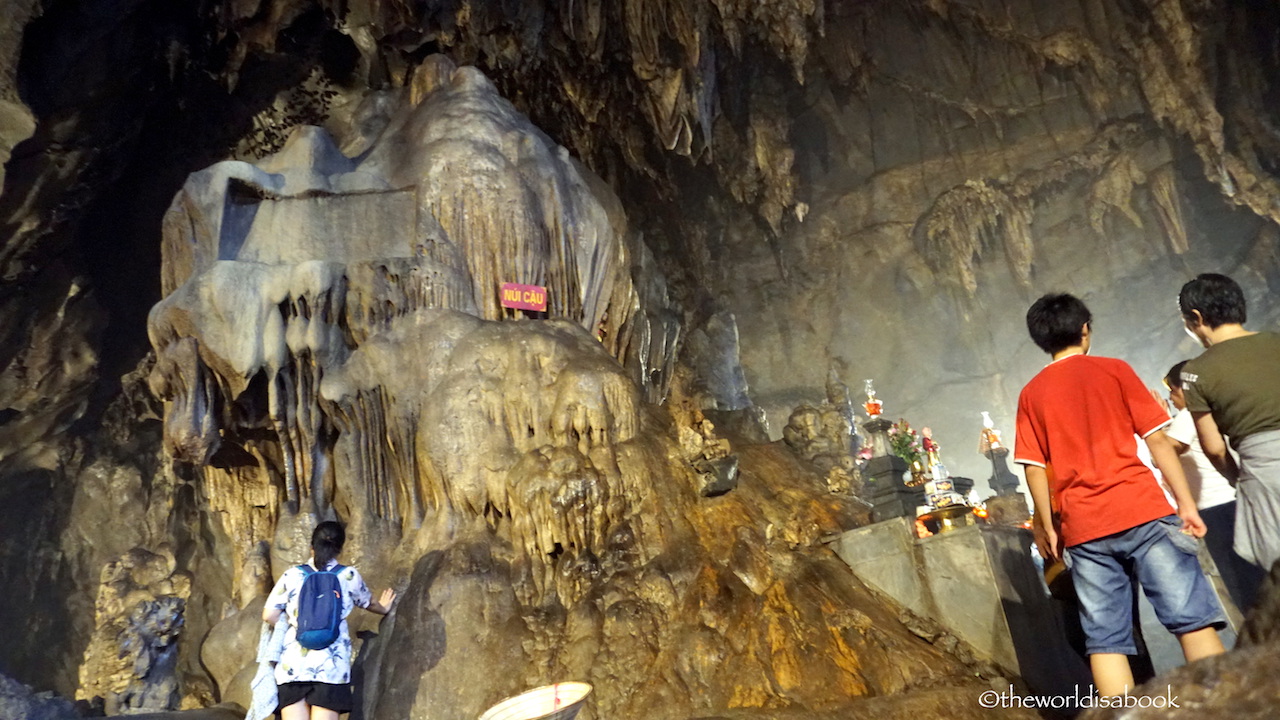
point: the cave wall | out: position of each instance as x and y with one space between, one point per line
16 120
828 171
994 152
884 187
880 187
329 345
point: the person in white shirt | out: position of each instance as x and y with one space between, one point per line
316 684
1215 497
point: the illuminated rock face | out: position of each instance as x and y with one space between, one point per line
330 344
285 283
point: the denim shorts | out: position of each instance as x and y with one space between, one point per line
1164 560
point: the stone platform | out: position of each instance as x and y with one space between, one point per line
981 583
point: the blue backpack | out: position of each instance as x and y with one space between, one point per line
319 607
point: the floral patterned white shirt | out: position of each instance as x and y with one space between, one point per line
327 665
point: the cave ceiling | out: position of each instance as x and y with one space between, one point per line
824 170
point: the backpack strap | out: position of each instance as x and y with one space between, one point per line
308 570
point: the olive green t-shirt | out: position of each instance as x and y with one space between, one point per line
1238 381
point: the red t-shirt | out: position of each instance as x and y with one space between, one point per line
1081 414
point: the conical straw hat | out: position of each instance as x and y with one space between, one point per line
560 701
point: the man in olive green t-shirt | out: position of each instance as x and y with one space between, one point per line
1233 389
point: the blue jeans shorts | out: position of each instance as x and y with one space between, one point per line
1163 559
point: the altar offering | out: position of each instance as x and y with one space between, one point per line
873 406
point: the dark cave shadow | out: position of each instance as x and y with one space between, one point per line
1044 630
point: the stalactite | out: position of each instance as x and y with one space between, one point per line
380 291
966 222
1164 189
191 431
1174 78
515 423
557 501
969 220
1113 190
1098 75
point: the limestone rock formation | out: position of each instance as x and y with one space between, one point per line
286 282
879 187
19 701
823 435
132 659
16 122
229 650
1066 157
331 343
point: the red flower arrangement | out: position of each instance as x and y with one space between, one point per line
905 442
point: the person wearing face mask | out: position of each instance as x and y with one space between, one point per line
1233 390
1215 497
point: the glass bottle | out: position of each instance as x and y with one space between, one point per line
990 434
873 406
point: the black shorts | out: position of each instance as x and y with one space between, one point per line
318 694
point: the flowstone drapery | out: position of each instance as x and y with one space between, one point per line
275 274
331 344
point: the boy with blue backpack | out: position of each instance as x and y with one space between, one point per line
314 671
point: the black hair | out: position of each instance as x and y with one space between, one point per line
326 542
1173 378
1218 298
1056 321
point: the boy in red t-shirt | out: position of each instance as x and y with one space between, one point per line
1084 415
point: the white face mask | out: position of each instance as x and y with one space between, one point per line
1192 335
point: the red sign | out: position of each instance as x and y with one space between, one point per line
524 297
